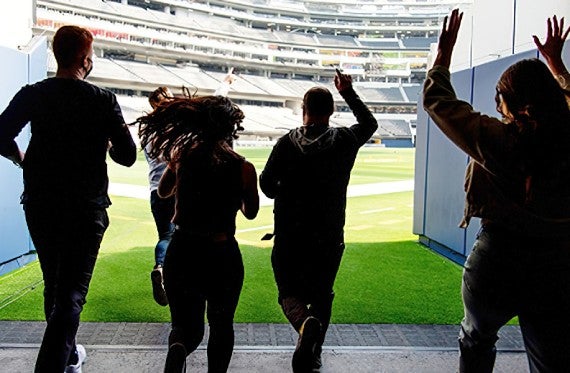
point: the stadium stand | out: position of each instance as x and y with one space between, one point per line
279 49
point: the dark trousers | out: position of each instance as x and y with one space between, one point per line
162 212
509 275
203 276
305 273
67 241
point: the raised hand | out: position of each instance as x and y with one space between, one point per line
342 81
448 37
551 50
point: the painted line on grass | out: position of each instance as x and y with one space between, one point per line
376 210
142 192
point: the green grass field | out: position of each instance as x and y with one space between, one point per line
385 276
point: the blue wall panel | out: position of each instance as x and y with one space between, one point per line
13 230
18 69
444 181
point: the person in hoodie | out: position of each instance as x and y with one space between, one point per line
307 174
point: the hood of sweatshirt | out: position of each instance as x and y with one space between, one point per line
312 138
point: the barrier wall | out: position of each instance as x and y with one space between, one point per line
17 68
440 165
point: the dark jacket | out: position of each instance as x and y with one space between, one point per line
308 172
497 184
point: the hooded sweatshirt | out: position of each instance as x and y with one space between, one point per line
308 172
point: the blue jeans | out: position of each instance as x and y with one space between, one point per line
162 211
507 275
67 241
202 276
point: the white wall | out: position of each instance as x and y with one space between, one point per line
16 21
492 29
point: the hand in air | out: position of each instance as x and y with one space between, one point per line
448 37
551 49
342 81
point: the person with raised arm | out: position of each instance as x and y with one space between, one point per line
517 183
307 174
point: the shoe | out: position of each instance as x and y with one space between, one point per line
158 291
317 360
304 354
81 356
176 359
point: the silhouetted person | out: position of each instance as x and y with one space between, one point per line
307 173
163 208
73 125
203 269
518 184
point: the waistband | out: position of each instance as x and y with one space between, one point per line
210 236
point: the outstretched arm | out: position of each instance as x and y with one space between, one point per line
447 38
551 50
366 123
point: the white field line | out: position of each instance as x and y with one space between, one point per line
376 210
142 192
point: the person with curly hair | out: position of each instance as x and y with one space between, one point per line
203 268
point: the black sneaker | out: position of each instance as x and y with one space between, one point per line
158 291
303 357
176 359
317 360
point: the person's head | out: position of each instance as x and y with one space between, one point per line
73 48
159 95
527 91
318 104
180 125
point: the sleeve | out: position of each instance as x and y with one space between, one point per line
269 179
223 89
564 81
12 120
482 137
123 149
366 123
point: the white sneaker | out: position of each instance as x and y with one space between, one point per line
81 356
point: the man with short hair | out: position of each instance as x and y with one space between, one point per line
307 173
74 124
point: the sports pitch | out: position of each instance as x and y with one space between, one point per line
385 276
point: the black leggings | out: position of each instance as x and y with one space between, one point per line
203 276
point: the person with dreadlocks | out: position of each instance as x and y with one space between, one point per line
203 269
517 183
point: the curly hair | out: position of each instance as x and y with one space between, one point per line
179 126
